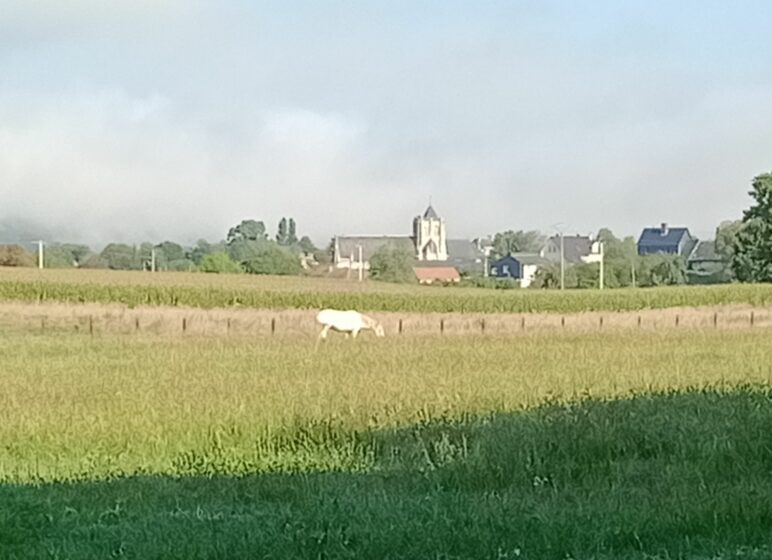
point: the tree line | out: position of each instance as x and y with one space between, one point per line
248 247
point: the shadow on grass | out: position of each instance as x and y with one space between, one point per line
684 475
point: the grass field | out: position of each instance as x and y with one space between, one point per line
605 445
214 291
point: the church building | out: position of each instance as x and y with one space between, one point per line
429 244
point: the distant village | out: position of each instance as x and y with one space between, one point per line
440 259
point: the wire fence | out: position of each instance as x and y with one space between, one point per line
96 319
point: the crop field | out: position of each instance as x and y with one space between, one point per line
620 444
215 291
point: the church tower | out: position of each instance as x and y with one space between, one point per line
431 242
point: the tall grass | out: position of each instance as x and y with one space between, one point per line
73 407
620 445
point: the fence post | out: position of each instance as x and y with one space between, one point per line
136 323
715 319
400 326
482 325
442 326
90 325
522 323
600 322
677 320
184 324
228 326
752 318
563 322
639 321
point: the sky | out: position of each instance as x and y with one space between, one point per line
146 120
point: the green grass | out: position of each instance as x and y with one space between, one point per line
615 445
210 291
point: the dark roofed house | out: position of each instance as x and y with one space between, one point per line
520 266
576 249
465 255
667 240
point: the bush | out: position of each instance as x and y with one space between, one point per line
392 265
219 262
15 255
269 258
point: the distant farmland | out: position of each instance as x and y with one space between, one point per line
261 292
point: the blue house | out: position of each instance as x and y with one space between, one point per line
519 266
665 239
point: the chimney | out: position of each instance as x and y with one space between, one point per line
664 229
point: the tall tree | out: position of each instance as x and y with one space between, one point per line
292 237
752 258
508 242
726 238
281 233
247 230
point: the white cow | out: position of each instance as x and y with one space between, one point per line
349 322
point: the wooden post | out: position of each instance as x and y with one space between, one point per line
677 320
522 323
752 318
482 325
563 322
184 324
639 321
442 326
400 326
136 323
715 319
273 325
43 324
90 325
600 322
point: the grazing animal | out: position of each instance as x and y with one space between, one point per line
349 322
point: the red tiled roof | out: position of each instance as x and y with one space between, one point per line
443 273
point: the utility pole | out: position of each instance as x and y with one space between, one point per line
40 253
562 263
361 264
601 264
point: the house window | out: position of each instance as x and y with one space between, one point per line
505 270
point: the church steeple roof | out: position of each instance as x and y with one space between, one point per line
430 213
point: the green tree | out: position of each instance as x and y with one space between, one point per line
219 262
120 256
508 242
727 233
247 230
286 234
65 255
392 265
752 258
270 258
203 248
661 270
306 245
